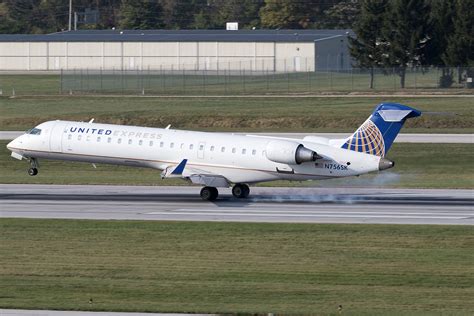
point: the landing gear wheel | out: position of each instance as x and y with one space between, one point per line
209 193
240 191
32 171
34 165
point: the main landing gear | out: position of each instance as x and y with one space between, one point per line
239 190
209 193
33 171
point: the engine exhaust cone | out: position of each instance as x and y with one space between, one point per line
385 164
304 154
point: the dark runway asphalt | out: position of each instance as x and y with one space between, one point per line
310 205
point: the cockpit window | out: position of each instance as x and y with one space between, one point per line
34 131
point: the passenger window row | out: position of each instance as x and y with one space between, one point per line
162 144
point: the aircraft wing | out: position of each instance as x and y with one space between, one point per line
194 175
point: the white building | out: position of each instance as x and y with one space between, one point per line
252 50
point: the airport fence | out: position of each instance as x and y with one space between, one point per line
226 82
230 82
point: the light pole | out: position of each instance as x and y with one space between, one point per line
70 15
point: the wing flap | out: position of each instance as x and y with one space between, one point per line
209 180
196 176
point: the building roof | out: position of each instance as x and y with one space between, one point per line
179 36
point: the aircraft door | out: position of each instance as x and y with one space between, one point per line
201 148
55 137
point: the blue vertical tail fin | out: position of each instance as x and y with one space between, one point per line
378 132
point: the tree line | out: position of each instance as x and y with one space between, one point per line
46 16
399 34
395 34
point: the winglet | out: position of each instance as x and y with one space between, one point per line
180 168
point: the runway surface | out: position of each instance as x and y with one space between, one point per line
401 138
289 205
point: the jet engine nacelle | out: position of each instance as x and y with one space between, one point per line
289 152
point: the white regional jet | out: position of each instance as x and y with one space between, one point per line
218 159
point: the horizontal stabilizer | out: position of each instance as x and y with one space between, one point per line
394 115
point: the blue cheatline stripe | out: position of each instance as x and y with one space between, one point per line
180 168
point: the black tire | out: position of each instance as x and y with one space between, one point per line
240 191
246 190
32 171
215 193
209 193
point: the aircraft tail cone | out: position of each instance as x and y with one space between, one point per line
386 164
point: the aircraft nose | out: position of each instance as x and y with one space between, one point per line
10 145
13 144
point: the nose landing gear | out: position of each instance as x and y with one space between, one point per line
33 171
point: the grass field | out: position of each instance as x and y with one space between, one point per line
177 82
443 115
30 84
417 166
236 267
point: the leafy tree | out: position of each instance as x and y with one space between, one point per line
442 13
216 13
342 15
140 14
108 11
179 14
202 20
243 11
22 12
51 16
45 16
7 23
368 47
406 33
460 43
286 14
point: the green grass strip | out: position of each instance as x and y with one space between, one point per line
442 115
236 267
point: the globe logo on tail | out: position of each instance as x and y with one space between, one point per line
367 139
